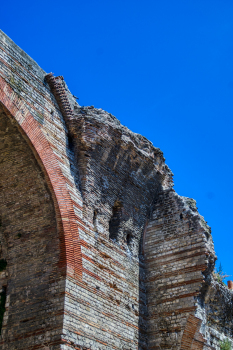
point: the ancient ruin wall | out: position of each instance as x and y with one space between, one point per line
178 248
120 174
137 258
38 309
110 161
32 280
214 309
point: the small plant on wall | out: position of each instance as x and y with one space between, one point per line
219 275
225 345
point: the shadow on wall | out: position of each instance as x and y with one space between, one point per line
29 242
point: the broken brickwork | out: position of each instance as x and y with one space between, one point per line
97 249
178 248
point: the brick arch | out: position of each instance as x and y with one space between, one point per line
70 254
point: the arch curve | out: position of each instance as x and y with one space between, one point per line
70 250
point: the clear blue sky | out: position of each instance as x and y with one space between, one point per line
163 67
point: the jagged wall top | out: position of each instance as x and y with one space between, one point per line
141 143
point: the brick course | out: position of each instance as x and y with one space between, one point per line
101 252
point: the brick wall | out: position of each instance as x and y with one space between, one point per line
26 96
120 174
178 249
30 244
52 251
101 252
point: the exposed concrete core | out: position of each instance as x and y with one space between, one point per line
98 252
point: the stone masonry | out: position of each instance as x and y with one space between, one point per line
97 251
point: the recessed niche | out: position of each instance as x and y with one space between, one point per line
114 223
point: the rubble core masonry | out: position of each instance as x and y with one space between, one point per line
97 251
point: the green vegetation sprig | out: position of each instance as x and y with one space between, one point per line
219 275
225 344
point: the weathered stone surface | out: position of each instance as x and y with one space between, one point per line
101 252
215 309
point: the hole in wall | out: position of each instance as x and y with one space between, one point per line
181 216
70 143
95 220
3 264
114 223
52 114
128 239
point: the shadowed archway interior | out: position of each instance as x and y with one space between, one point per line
31 282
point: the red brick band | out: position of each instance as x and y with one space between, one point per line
70 244
192 339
